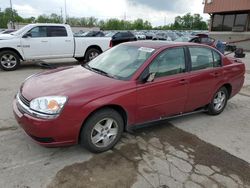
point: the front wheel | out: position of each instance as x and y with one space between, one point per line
9 60
218 102
102 130
91 54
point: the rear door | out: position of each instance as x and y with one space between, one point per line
37 44
205 74
62 44
167 94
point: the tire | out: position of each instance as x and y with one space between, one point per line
102 130
9 60
80 59
219 102
91 54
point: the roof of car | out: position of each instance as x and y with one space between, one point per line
159 44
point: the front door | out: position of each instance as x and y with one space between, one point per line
167 94
36 44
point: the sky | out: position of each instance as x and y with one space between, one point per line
158 12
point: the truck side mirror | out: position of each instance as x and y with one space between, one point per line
27 35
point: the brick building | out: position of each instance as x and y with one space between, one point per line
230 20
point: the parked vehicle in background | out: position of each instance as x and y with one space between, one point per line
7 31
140 35
47 41
203 39
91 34
121 37
184 39
125 87
162 36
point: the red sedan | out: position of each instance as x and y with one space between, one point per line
123 88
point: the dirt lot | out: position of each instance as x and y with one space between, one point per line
193 151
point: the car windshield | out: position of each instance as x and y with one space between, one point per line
120 62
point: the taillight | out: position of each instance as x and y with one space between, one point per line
111 44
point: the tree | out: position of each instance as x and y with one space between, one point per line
9 15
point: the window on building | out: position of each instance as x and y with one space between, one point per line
241 20
228 22
217 22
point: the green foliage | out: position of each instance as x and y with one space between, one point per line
186 22
7 15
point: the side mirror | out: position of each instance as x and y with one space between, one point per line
27 35
150 77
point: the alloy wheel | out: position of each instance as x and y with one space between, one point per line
219 100
8 61
104 132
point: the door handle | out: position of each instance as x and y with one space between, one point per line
44 41
183 81
67 40
215 74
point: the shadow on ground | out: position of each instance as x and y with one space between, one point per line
159 156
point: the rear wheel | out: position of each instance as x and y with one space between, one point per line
218 102
91 54
9 60
102 130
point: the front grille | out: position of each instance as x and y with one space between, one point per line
24 100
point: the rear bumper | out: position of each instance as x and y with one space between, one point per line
50 133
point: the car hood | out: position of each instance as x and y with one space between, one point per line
7 36
73 82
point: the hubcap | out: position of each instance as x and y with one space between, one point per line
93 55
219 100
104 132
8 61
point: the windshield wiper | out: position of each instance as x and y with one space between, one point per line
98 71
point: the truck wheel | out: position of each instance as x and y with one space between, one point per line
80 59
91 54
9 60
102 130
218 102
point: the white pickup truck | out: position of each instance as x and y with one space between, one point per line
47 41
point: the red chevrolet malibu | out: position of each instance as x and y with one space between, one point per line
123 88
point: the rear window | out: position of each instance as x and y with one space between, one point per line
57 31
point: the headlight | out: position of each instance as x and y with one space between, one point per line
49 105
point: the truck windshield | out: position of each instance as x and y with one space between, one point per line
121 62
21 30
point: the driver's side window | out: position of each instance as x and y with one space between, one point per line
169 62
37 32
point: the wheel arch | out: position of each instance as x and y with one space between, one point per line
229 88
115 107
13 50
93 47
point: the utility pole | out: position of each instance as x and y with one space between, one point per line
65 6
61 15
12 16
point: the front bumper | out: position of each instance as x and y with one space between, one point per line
60 131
